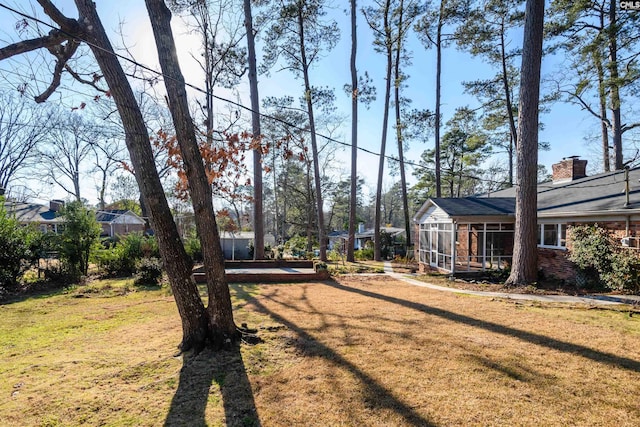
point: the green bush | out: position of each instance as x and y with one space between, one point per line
148 272
121 259
602 262
364 254
79 239
334 255
297 247
624 274
18 249
110 261
193 248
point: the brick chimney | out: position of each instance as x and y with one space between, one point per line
568 169
56 205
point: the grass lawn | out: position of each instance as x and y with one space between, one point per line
358 351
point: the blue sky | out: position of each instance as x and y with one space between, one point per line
565 126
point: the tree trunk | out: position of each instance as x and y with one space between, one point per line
513 132
314 143
602 97
258 214
438 87
377 252
510 150
525 254
222 328
403 178
176 262
614 89
354 137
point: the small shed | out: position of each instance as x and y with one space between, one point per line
235 245
465 234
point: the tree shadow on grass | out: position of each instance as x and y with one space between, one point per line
375 394
224 368
542 340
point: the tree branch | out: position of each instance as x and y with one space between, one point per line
67 24
626 128
54 38
79 78
63 53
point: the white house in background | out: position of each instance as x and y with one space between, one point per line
115 222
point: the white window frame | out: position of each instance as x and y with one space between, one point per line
558 227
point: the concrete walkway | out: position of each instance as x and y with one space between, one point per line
590 299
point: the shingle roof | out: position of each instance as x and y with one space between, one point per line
109 215
472 206
31 212
599 193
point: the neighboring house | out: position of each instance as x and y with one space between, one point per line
398 238
45 217
118 222
476 233
337 239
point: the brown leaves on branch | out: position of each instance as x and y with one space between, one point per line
224 158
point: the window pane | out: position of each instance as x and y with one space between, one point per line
563 235
550 235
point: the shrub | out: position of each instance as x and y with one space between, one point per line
79 238
18 249
297 247
277 252
121 259
319 266
601 262
624 273
334 255
148 272
193 248
110 261
364 254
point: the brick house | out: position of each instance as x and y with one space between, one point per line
476 233
48 219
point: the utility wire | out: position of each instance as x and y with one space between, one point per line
197 88
228 101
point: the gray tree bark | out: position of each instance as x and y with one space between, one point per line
222 328
377 248
525 254
354 136
176 262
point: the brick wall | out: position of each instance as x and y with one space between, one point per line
554 264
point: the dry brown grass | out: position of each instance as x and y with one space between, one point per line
359 351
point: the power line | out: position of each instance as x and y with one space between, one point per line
228 101
199 89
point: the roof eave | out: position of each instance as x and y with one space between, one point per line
623 212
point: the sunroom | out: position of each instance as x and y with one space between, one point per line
465 234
